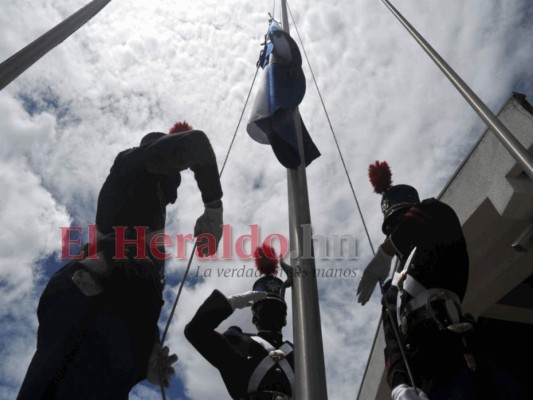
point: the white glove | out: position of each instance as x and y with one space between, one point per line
88 284
160 366
406 392
377 270
210 222
245 299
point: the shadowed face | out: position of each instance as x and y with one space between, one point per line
270 315
394 219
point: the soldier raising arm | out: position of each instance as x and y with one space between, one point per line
253 366
98 334
429 234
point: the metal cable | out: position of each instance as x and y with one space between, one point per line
333 132
182 283
386 303
240 120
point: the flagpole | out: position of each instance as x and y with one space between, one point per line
509 141
15 65
310 372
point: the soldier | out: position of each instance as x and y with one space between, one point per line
422 302
432 230
253 366
98 334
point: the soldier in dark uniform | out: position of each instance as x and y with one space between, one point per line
98 334
253 366
424 299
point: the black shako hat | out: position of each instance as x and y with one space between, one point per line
266 261
151 137
178 127
395 199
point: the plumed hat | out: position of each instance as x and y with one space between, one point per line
267 263
395 198
176 128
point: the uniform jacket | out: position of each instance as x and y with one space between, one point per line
234 353
97 348
143 181
440 261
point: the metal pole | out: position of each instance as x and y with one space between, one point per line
509 141
310 374
15 65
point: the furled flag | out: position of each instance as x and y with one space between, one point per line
282 88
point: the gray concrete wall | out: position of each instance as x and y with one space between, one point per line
493 198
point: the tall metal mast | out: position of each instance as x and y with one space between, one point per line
509 141
15 65
310 374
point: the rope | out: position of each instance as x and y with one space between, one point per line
196 244
240 120
182 283
387 305
333 132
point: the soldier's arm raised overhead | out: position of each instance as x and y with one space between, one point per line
175 152
184 148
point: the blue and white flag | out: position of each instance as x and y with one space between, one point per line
281 89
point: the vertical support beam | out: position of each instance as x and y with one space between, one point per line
310 374
504 135
15 65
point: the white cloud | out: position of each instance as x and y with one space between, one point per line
138 66
30 218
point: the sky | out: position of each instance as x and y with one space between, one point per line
140 66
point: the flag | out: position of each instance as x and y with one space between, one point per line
281 89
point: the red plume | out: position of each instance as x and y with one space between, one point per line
380 176
180 127
266 260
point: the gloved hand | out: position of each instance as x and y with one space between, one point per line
88 284
159 366
245 299
406 392
377 270
210 222
286 268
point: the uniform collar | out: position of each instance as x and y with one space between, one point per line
275 338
